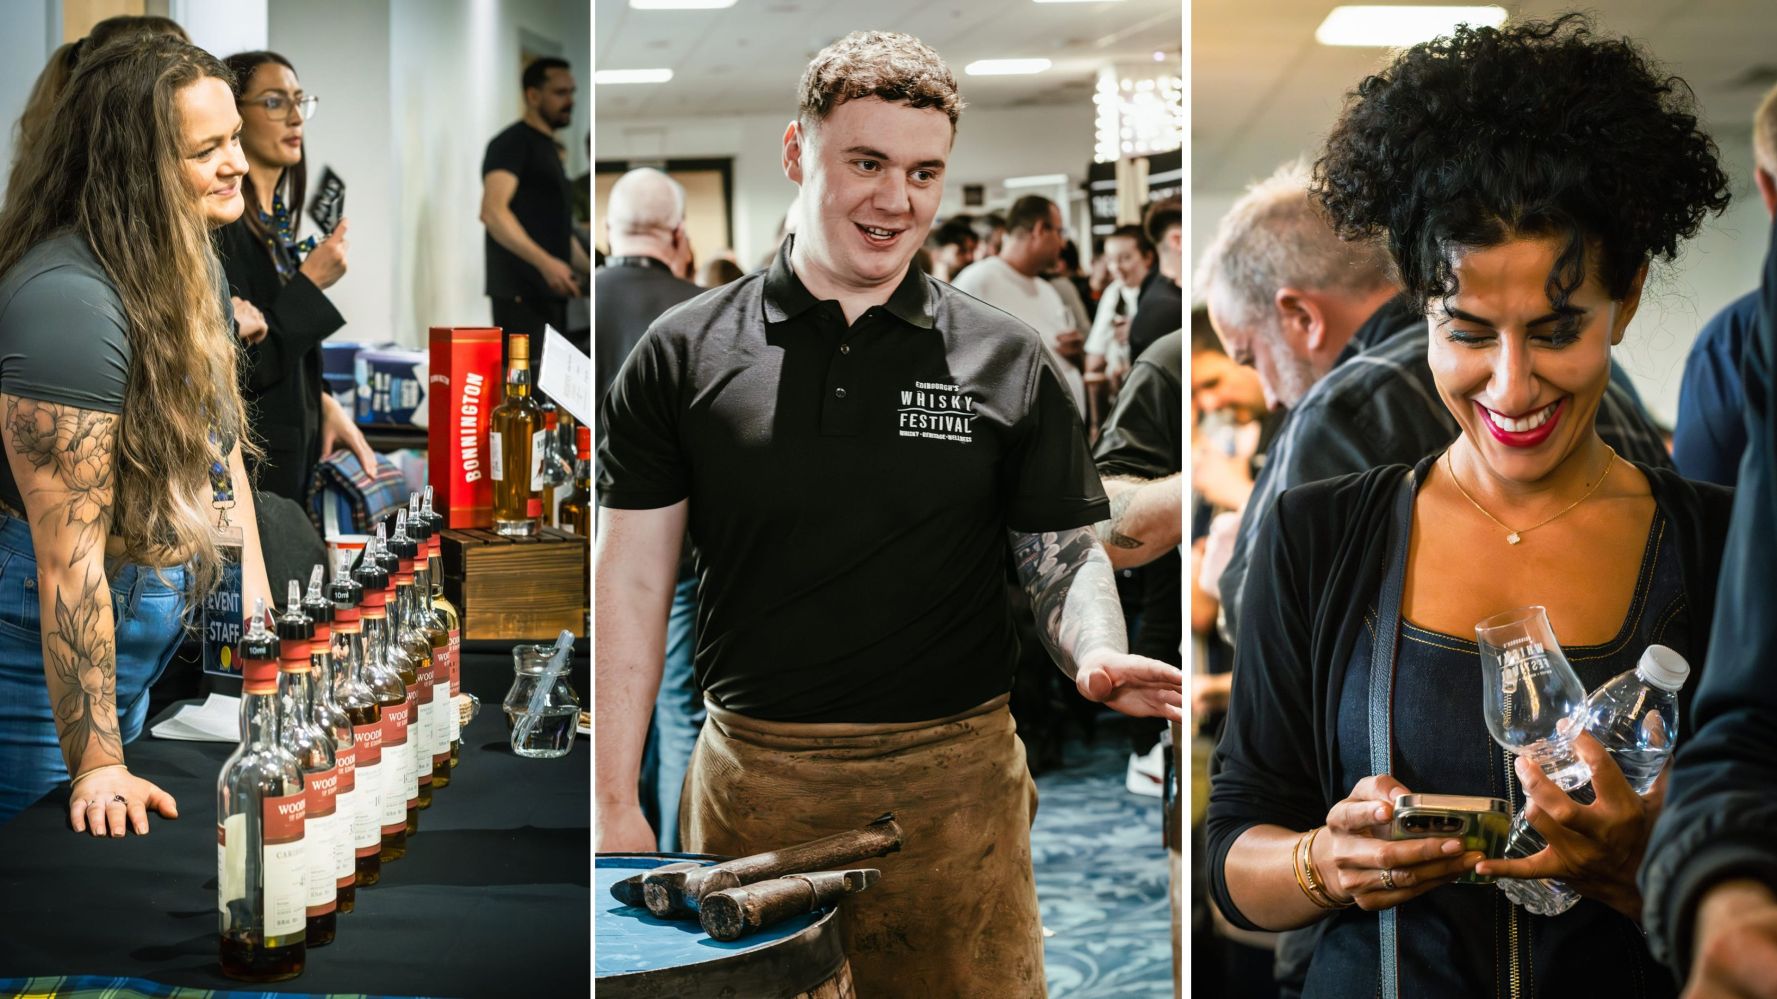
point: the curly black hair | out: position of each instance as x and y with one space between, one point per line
1537 129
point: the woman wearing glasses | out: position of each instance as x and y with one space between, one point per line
279 279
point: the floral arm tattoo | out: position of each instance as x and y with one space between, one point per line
62 458
1073 593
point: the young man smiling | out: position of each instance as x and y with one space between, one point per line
854 446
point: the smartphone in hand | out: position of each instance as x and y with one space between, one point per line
1481 823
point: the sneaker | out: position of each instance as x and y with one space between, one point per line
1144 773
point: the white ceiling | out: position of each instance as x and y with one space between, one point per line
747 59
1264 91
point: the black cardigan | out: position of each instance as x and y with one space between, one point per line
281 374
1317 568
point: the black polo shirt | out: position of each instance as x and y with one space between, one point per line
542 205
851 489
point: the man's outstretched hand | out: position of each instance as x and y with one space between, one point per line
1134 685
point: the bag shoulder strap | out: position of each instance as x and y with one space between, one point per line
1382 656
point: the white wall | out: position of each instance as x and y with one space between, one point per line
341 52
25 45
1722 263
991 145
223 26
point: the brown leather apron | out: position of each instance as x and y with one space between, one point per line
955 913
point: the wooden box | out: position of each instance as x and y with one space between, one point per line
517 589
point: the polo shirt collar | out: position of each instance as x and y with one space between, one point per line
786 297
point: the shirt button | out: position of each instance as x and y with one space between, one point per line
839 393
845 348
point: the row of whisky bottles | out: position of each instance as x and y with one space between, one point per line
528 455
348 726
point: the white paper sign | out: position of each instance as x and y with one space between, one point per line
566 376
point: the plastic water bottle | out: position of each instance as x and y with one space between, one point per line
1635 717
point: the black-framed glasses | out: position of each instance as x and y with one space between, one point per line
277 106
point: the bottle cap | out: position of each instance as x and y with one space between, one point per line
550 419
518 347
583 442
295 631
317 606
259 652
1663 668
369 572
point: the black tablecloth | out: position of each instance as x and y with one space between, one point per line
492 899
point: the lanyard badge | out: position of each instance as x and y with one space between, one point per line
223 617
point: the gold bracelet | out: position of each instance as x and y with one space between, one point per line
1302 875
90 771
1314 881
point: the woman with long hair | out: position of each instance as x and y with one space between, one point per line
284 276
123 427
1523 179
60 68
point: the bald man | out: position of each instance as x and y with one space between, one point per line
645 224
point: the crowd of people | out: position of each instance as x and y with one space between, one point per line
163 312
1407 419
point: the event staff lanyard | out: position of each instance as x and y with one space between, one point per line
223 619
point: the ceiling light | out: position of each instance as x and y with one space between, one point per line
632 76
1037 180
1078 1
1006 67
1398 27
680 4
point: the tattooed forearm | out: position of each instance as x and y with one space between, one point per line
1110 531
1073 593
75 451
62 458
80 662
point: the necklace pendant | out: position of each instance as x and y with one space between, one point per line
1513 537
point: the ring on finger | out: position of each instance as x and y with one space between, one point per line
120 799
1388 878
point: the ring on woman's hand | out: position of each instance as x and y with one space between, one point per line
1388 878
120 799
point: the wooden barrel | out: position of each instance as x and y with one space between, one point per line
637 956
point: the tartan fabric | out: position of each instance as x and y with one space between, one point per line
362 498
102 987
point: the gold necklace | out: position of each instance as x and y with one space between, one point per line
1515 536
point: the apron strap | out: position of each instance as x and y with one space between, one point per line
1382 655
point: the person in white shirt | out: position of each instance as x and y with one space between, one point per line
1013 282
1131 259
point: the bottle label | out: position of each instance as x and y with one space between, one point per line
347 803
496 455
539 448
231 872
395 759
456 684
284 864
447 711
424 692
320 810
412 756
367 816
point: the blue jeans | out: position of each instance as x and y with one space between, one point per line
147 610
678 715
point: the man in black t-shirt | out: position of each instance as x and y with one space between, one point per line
1162 306
526 205
856 448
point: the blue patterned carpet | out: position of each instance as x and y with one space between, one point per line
1101 878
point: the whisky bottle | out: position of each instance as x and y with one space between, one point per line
427 621
413 642
395 658
313 749
576 510
260 878
391 697
515 438
326 713
451 621
351 684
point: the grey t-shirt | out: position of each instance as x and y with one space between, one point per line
63 335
